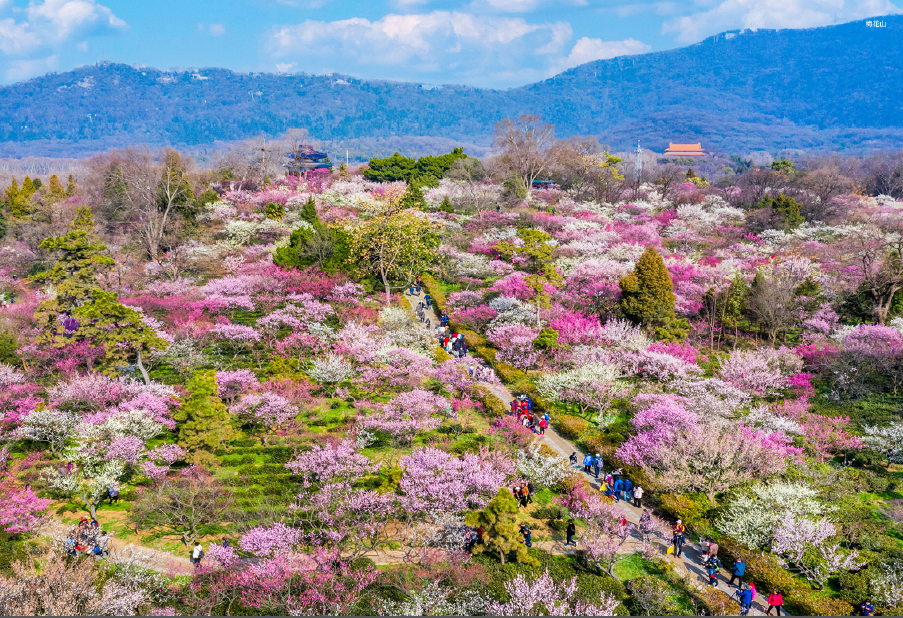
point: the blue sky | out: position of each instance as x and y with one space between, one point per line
490 43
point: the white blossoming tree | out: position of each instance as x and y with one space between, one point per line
544 469
331 370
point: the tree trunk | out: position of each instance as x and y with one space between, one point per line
502 556
144 374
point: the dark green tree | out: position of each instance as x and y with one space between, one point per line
204 421
787 209
71 188
315 244
647 296
309 212
4 226
446 205
413 198
500 532
514 189
784 166
80 310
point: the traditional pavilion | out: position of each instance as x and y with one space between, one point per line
685 150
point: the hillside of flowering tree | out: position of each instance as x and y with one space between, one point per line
231 391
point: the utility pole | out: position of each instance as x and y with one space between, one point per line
637 170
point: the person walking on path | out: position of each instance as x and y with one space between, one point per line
571 531
776 602
528 536
619 487
638 497
197 554
587 462
628 491
573 459
738 572
679 538
530 490
598 464
745 597
712 564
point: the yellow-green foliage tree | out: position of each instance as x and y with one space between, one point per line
394 247
647 296
500 533
538 252
204 421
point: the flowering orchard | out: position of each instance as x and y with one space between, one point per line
256 372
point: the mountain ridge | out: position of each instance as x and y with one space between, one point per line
829 88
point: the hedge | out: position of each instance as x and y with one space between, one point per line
493 407
570 427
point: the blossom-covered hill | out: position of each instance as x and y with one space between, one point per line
268 378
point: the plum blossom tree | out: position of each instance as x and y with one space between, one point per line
515 344
274 540
406 415
806 545
886 440
331 370
590 387
545 469
543 595
55 427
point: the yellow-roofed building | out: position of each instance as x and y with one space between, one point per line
685 150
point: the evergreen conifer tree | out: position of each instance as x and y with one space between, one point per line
20 207
309 211
11 193
28 188
446 205
343 171
204 421
787 208
80 310
413 197
647 296
500 532
71 188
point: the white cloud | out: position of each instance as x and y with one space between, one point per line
587 50
284 67
23 69
53 22
82 47
734 14
461 46
520 6
217 30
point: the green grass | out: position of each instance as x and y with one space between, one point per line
634 566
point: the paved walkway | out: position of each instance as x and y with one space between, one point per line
689 564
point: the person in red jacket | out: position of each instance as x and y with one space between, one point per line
775 601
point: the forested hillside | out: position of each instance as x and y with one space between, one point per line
832 88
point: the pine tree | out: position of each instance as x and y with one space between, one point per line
71 187
647 294
343 171
12 193
309 212
500 533
81 310
787 208
413 197
446 205
205 422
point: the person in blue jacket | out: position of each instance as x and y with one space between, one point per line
619 489
628 488
587 462
745 601
738 572
597 464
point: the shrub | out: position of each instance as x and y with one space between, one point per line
805 603
435 290
486 352
691 508
493 407
570 427
509 374
760 568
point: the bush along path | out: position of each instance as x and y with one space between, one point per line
688 565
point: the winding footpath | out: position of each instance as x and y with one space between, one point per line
690 562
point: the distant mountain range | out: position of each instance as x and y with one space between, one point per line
831 88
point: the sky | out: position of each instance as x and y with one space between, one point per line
485 43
